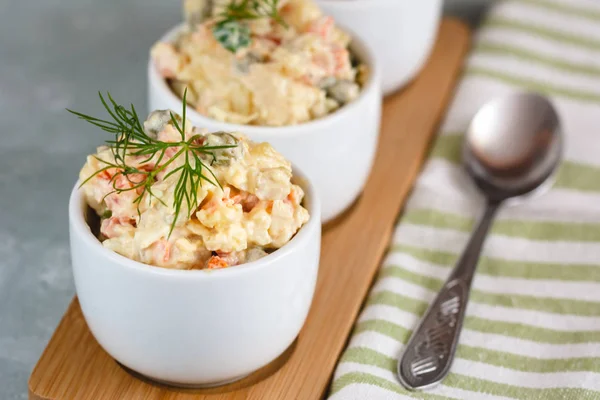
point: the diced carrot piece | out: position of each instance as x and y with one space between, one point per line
216 262
276 40
325 62
342 59
322 27
307 79
167 247
128 181
109 225
162 250
105 175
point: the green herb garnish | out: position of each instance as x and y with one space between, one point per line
232 35
132 141
231 30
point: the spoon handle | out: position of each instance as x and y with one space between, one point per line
429 353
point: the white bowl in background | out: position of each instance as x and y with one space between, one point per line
195 327
401 33
336 151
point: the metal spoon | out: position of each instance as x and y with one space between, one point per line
513 145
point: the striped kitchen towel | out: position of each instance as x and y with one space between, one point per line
532 328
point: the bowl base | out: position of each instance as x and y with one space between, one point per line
196 385
163 382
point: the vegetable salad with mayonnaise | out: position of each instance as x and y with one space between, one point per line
292 70
250 208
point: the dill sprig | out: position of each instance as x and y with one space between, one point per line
244 10
230 30
131 140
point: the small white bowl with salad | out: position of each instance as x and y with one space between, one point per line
195 254
282 72
401 33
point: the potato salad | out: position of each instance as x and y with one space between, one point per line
287 70
244 208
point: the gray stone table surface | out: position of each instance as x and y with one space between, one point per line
56 54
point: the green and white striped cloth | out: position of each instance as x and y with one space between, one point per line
532 329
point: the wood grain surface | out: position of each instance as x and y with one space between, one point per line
73 366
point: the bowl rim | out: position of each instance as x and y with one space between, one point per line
80 227
360 4
368 91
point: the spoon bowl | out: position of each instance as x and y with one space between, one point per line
513 145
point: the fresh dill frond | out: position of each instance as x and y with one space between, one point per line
131 140
230 29
243 10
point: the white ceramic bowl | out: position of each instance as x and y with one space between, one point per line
199 327
336 151
401 33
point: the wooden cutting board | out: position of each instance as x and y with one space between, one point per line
73 366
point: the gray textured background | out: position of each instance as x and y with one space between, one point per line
56 54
